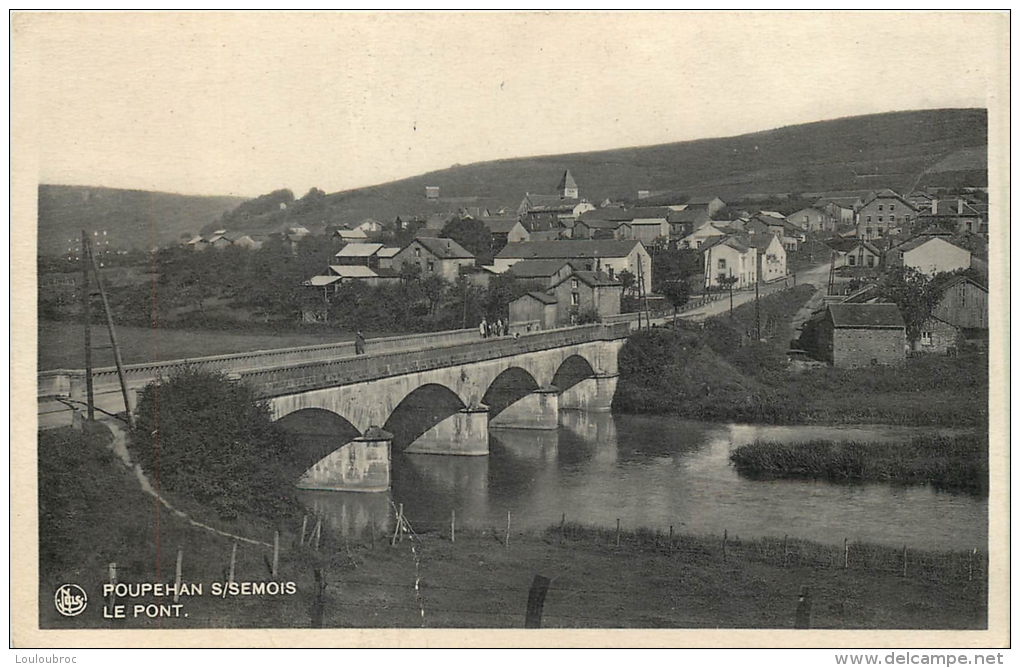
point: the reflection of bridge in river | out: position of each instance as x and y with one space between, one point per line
524 467
431 394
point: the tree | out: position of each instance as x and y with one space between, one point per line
627 279
677 293
472 235
915 294
210 441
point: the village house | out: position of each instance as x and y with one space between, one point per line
812 219
860 335
544 272
351 236
841 215
851 252
711 205
883 214
435 256
586 292
702 234
649 230
845 199
533 311
608 255
366 255
929 255
505 231
958 215
770 256
386 255
565 204
729 256
960 315
595 228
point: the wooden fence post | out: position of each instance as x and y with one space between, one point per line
317 532
617 532
904 561
177 573
725 538
970 565
536 601
453 526
803 620
276 553
304 527
113 581
846 554
508 529
786 554
233 561
671 540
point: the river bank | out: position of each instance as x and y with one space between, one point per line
93 513
719 372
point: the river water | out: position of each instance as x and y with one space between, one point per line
651 472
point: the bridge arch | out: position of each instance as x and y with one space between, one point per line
418 412
507 388
314 434
572 371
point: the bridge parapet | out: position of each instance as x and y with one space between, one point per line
305 377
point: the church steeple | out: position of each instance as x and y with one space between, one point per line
568 186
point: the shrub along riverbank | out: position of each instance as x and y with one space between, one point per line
956 463
719 372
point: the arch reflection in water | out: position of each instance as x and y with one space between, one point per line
351 514
430 486
596 433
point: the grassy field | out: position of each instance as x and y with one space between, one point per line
956 463
92 513
62 344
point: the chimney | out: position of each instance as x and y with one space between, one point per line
959 207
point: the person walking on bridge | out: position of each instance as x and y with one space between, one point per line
483 328
359 343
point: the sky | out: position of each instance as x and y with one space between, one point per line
245 103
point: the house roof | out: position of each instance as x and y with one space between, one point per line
841 245
594 279
731 240
662 199
445 249
587 248
691 215
567 181
537 268
760 241
885 193
702 201
544 235
359 250
351 234
648 221
841 202
540 297
607 214
773 214
500 225
866 316
319 281
352 271
916 242
599 224
957 280
541 203
387 252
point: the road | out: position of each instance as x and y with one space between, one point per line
817 276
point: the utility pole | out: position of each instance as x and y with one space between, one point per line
87 316
757 313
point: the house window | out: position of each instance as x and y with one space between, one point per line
573 283
611 276
417 252
880 219
575 299
892 207
925 338
879 207
432 265
868 219
851 260
722 263
871 260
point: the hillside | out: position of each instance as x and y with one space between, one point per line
946 147
135 219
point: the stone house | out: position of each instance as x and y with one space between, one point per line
884 214
435 256
730 256
859 335
607 255
960 315
534 310
544 272
586 291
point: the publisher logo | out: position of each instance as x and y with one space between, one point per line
70 600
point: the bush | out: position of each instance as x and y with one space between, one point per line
207 439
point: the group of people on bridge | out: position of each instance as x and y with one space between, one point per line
487 329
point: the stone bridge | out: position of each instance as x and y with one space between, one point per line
431 394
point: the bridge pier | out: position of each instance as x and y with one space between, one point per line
466 432
594 394
363 465
538 410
